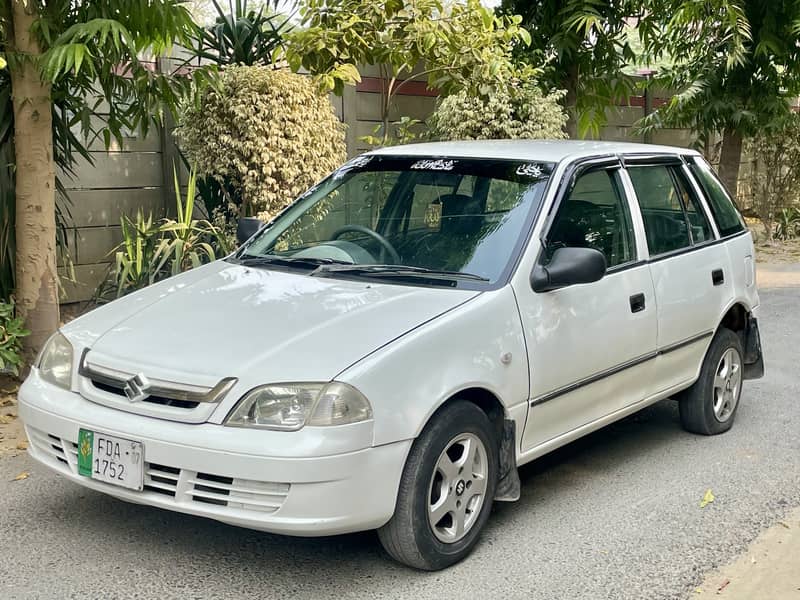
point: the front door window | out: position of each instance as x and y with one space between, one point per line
595 215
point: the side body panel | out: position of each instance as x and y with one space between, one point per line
742 257
590 355
478 344
690 307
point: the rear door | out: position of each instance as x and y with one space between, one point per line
691 271
590 347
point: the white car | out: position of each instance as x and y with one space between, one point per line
390 348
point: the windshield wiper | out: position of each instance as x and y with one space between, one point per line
396 271
251 260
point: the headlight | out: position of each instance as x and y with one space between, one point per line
55 361
289 406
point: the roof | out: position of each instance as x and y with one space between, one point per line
537 150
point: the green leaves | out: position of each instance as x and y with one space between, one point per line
95 40
151 251
582 47
519 111
242 36
736 62
462 45
265 135
12 330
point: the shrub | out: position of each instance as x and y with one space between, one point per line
151 251
513 112
774 182
267 133
12 330
787 224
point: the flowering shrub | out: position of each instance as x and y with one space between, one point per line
510 112
266 134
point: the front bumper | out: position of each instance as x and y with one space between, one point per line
188 468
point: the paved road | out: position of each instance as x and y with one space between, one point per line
613 516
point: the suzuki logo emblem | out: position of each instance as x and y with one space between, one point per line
137 388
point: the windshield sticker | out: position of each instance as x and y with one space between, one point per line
434 165
357 163
530 170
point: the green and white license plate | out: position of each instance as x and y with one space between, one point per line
110 459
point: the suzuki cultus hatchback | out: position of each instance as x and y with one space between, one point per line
387 351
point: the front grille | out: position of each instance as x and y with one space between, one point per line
118 391
50 445
176 485
161 479
181 401
247 494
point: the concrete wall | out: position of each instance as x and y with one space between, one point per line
121 181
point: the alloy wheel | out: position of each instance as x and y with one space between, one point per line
458 488
727 381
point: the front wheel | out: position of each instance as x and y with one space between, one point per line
709 406
446 490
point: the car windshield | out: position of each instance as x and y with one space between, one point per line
408 219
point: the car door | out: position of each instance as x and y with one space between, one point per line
590 347
690 270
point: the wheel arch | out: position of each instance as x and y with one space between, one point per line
505 427
735 318
482 397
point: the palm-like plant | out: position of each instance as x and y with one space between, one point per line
242 35
190 242
154 250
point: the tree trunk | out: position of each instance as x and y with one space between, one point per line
36 275
570 83
730 159
769 229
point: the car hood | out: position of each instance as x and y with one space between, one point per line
227 320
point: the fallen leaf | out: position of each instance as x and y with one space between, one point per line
723 586
22 446
21 476
784 524
708 498
5 419
7 402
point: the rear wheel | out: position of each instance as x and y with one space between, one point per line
709 406
446 490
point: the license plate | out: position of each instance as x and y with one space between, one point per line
110 459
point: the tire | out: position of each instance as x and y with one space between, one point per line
436 476
709 406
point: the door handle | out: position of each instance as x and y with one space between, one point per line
717 277
637 303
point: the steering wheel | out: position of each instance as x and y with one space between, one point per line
385 244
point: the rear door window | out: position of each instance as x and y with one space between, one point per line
665 222
728 219
699 226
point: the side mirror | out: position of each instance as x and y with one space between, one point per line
569 266
247 228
